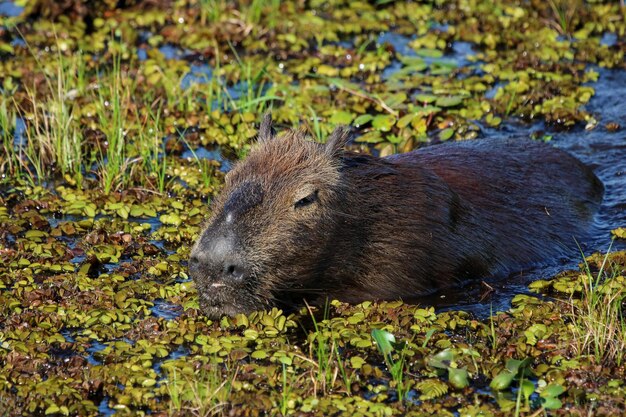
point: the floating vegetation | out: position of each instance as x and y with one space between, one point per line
118 121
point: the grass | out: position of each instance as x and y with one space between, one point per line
285 393
563 14
316 128
324 353
151 150
202 395
10 166
53 138
599 324
204 165
112 104
211 11
493 336
252 83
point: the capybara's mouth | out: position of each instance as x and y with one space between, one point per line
215 311
219 304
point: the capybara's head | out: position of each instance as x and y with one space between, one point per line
271 226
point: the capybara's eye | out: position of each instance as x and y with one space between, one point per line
306 201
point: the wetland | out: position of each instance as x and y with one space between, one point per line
119 120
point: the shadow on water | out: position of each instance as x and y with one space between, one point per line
601 149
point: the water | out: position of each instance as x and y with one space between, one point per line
93 349
181 351
9 9
166 310
609 39
104 409
210 153
198 73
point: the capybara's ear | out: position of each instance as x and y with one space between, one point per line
337 140
266 132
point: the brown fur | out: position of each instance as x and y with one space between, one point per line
386 228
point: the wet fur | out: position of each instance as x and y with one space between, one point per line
396 227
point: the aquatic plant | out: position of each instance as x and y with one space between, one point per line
386 343
117 123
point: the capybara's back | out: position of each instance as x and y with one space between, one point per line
535 200
300 220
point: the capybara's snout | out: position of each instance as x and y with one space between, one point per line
216 260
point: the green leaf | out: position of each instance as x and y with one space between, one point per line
502 381
426 98
123 212
363 119
384 122
384 340
552 403
356 362
446 134
431 388
514 365
429 52
341 118
449 101
459 378
32 234
89 211
427 110
552 390
442 359
535 332
259 354
527 388
53 409
173 219
136 211
405 120
148 382
619 232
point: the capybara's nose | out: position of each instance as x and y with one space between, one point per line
233 271
215 261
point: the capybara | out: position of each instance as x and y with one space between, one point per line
299 220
